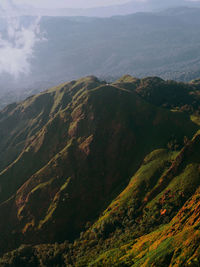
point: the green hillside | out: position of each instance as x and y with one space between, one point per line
102 169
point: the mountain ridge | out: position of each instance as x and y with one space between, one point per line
92 151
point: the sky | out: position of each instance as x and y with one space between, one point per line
75 3
72 3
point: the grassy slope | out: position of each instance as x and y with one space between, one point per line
122 236
165 231
168 94
100 136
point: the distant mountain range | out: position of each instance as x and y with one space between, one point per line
125 9
164 43
107 11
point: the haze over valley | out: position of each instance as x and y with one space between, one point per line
45 51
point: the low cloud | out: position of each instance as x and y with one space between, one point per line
17 41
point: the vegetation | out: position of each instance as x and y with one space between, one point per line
98 174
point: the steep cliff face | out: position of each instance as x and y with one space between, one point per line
71 150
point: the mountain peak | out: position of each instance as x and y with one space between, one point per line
86 146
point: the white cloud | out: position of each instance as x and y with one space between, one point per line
17 41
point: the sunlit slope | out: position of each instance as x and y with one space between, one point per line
155 220
71 151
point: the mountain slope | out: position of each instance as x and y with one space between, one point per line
176 96
139 228
74 150
155 220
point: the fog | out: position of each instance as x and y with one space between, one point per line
77 47
17 40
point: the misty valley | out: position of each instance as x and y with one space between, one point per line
100 134
163 44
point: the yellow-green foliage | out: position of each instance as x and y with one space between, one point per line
173 242
127 79
53 205
98 134
148 174
195 119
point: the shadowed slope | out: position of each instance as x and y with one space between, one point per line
80 144
154 221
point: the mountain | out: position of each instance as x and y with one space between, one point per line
130 7
108 157
154 221
164 44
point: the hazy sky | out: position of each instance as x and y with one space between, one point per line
76 3
71 3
